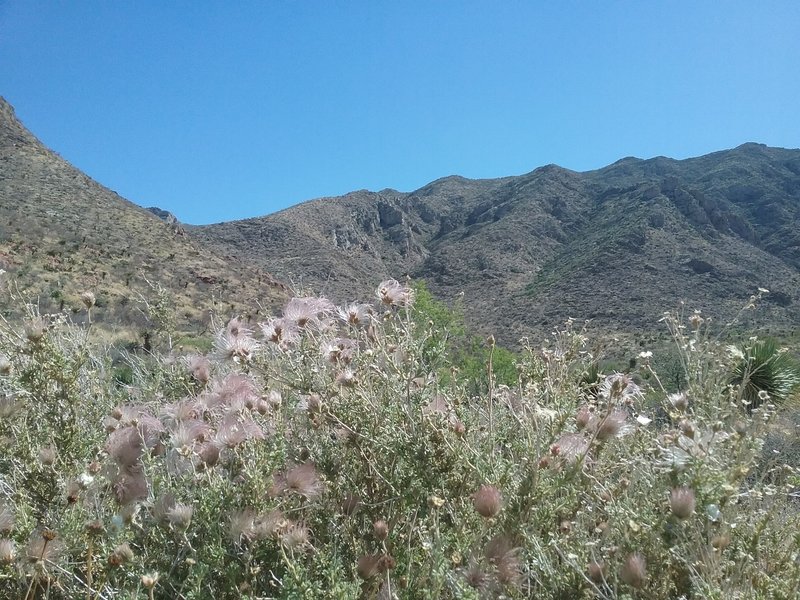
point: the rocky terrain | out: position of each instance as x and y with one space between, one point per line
617 246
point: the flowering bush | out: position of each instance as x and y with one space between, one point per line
323 454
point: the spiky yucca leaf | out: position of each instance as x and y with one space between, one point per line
766 368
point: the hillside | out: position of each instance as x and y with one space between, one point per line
619 245
61 233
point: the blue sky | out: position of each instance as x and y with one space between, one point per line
226 110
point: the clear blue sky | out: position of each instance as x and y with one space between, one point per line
225 110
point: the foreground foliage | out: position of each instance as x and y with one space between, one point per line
332 453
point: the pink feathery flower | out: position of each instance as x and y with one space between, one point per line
570 447
199 367
355 314
125 446
392 293
300 479
235 393
282 332
614 424
130 486
308 313
620 388
237 347
501 553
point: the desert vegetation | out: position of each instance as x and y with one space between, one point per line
358 452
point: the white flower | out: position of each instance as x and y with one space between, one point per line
735 352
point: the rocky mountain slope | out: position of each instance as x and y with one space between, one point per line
61 233
619 245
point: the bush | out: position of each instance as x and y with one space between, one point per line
764 372
318 458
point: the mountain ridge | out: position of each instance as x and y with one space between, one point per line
707 231
616 245
62 233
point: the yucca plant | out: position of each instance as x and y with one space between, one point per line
765 371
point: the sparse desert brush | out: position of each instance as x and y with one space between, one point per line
331 452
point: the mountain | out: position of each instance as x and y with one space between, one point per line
61 234
619 245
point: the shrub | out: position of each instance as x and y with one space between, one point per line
315 456
765 371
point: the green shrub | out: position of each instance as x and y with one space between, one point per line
765 372
323 457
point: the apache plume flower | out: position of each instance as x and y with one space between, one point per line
235 430
88 299
380 529
47 456
270 524
634 570
620 388
300 479
570 447
475 575
9 405
184 410
6 519
355 314
162 506
187 433
296 535
34 330
687 428
234 347
180 515
199 367
682 502
308 313
487 501
583 417
280 331
130 487
612 425
368 566
679 401
125 446
121 554
43 547
242 525
149 580
339 351
501 553
235 392
371 565
346 378
208 454
596 571
8 552
393 293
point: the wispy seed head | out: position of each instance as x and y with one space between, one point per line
121 554
487 501
682 502
8 552
634 570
